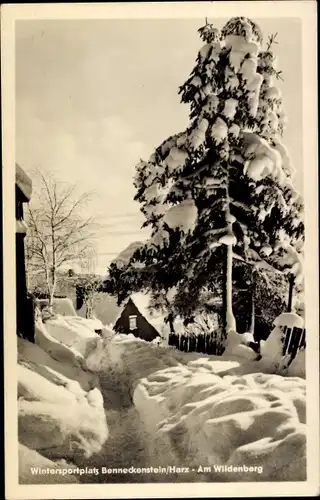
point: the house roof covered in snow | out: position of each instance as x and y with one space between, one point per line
142 301
23 182
155 317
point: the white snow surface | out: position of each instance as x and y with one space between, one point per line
272 348
228 239
292 259
62 306
205 411
297 367
176 158
290 320
21 226
74 331
29 458
219 130
191 407
263 159
24 182
230 108
183 216
212 103
240 47
234 130
212 410
160 238
198 135
60 406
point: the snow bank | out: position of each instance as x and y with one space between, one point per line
56 349
297 367
205 413
237 345
60 406
31 459
210 410
70 429
74 331
64 307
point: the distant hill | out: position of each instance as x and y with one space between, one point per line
124 256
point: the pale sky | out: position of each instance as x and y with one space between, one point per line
93 96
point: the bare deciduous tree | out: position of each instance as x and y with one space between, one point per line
59 230
89 284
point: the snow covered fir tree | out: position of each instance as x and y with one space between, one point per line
226 221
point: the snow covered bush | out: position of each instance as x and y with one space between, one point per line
272 349
222 189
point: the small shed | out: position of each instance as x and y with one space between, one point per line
24 305
138 318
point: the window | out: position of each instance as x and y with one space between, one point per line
132 323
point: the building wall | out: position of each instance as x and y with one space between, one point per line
24 305
144 329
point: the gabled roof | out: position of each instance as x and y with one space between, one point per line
156 318
23 182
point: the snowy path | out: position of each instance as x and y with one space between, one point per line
128 443
125 446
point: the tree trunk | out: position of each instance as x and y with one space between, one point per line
230 319
89 309
52 289
290 297
252 322
253 286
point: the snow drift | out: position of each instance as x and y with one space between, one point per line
210 410
63 306
204 413
60 406
29 460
